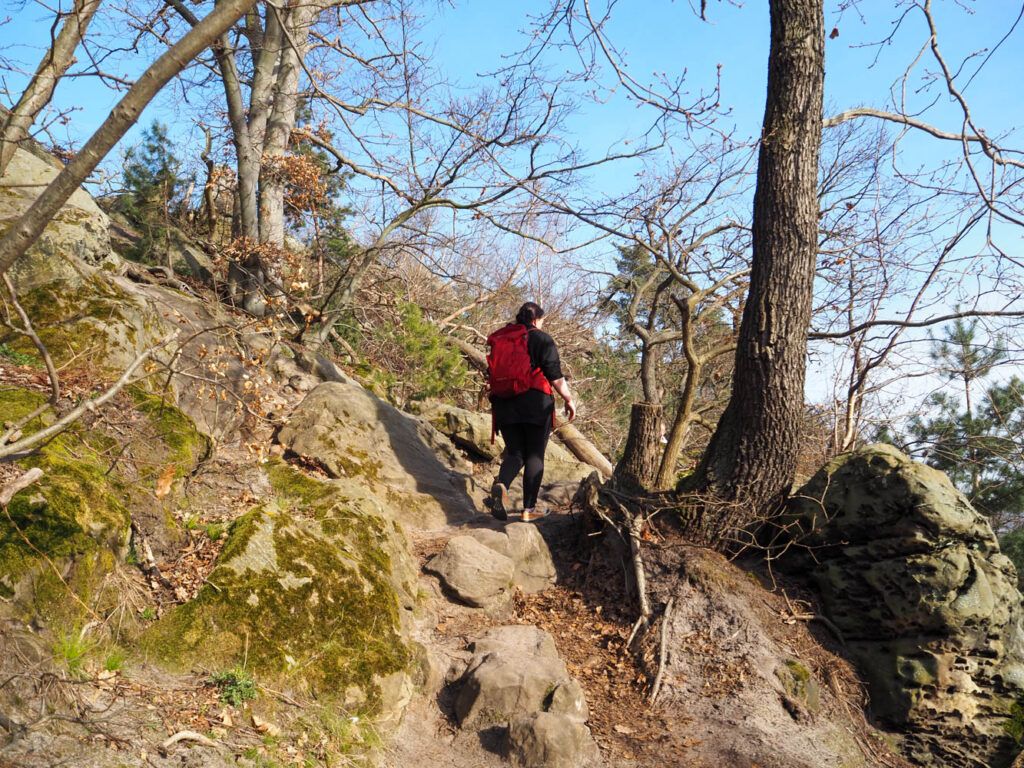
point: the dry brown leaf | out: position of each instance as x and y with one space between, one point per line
164 482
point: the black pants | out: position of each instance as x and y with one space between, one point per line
524 447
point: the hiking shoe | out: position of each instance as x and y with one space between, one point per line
529 515
500 501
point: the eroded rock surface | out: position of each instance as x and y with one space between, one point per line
550 740
515 671
476 574
78 231
913 577
352 433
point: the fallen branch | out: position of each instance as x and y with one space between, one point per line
18 484
663 652
87 405
187 736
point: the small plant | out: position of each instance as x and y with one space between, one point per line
148 613
236 686
1014 725
215 530
18 358
69 651
114 662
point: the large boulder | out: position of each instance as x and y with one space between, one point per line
470 430
312 590
515 671
78 231
475 573
482 566
912 576
352 433
550 740
533 566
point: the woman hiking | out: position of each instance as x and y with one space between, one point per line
523 370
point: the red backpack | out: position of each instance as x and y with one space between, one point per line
509 370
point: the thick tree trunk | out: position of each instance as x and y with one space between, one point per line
51 69
27 229
638 467
752 457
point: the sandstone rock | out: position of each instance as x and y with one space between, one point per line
523 544
478 575
913 577
313 587
79 230
549 740
352 433
469 430
516 670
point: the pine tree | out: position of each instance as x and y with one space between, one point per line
153 186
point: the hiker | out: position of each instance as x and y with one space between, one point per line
523 369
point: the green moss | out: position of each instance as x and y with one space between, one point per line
74 513
800 685
1014 725
187 446
302 592
73 318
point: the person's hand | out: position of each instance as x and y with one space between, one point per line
570 409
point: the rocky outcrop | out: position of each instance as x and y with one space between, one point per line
78 231
481 567
517 680
352 433
929 608
312 588
471 431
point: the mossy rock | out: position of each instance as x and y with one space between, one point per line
308 590
800 686
73 522
87 320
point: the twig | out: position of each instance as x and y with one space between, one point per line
18 484
663 652
76 413
187 736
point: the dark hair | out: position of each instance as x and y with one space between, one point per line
529 313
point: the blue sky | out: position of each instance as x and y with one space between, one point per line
472 36
657 36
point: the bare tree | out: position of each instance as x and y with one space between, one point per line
55 62
752 455
27 229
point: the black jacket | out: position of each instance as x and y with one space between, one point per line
534 406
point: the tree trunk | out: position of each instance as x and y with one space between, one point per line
27 229
281 123
638 467
583 449
51 69
751 460
680 426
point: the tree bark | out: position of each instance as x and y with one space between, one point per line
638 467
51 69
751 460
583 449
281 122
680 426
27 229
